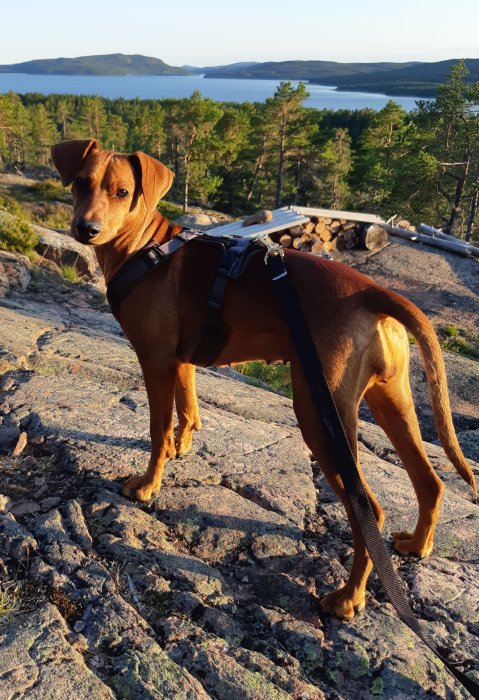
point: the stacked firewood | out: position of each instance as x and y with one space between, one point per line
323 234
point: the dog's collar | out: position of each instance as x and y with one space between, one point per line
142 264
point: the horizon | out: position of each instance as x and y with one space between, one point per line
203 65
213 35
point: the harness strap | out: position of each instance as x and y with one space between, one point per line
346 463
142 264
215 331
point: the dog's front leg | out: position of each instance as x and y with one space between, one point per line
186 407
160 387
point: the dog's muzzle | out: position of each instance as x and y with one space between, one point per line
86 231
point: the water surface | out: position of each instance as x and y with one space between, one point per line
177 86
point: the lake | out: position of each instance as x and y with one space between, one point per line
158 86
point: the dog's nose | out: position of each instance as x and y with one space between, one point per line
86 230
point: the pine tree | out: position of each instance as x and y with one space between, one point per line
43 135
283 115
193 142
450 125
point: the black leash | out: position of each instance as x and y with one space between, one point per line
145 261
346 463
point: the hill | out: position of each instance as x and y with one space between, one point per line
413 78
421 80
108 64
409 78
303 70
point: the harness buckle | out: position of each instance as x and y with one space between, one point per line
272 248
152 257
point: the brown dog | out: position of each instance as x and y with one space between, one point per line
354 322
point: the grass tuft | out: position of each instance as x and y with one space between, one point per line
50 190
16 234
9 601
170 210
276 377
71 274
451 331
460 341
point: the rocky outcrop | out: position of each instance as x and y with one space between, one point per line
210 590
14 272
62 249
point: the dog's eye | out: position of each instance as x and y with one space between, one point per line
122 193
81 181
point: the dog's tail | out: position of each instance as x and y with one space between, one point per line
391 304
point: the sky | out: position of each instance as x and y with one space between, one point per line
216 32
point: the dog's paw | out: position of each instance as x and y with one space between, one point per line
407 543
171 451
341 604
184 437
183 443
138 488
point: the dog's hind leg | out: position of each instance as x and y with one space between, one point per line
350 598
186 407
392 405
160 387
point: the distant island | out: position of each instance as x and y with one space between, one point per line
108 64
419 79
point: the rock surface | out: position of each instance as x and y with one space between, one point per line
62 249
14 272
210 590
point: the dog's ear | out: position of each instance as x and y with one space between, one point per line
68 157
156 179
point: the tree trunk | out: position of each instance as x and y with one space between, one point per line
279 176
472 213
186 189
258 169
460 184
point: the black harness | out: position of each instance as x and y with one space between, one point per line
142 264
236 254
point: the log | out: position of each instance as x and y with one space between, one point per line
309 227
296 243
373 237
338 243
335 227
326 235
286 240
306 237
348 226
350 238
317 247
259 217
431 231
296 231
437 233
320 227
450 246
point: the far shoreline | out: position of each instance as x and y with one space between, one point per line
233 90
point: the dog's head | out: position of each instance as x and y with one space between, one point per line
111 191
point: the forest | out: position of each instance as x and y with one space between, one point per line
236 158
